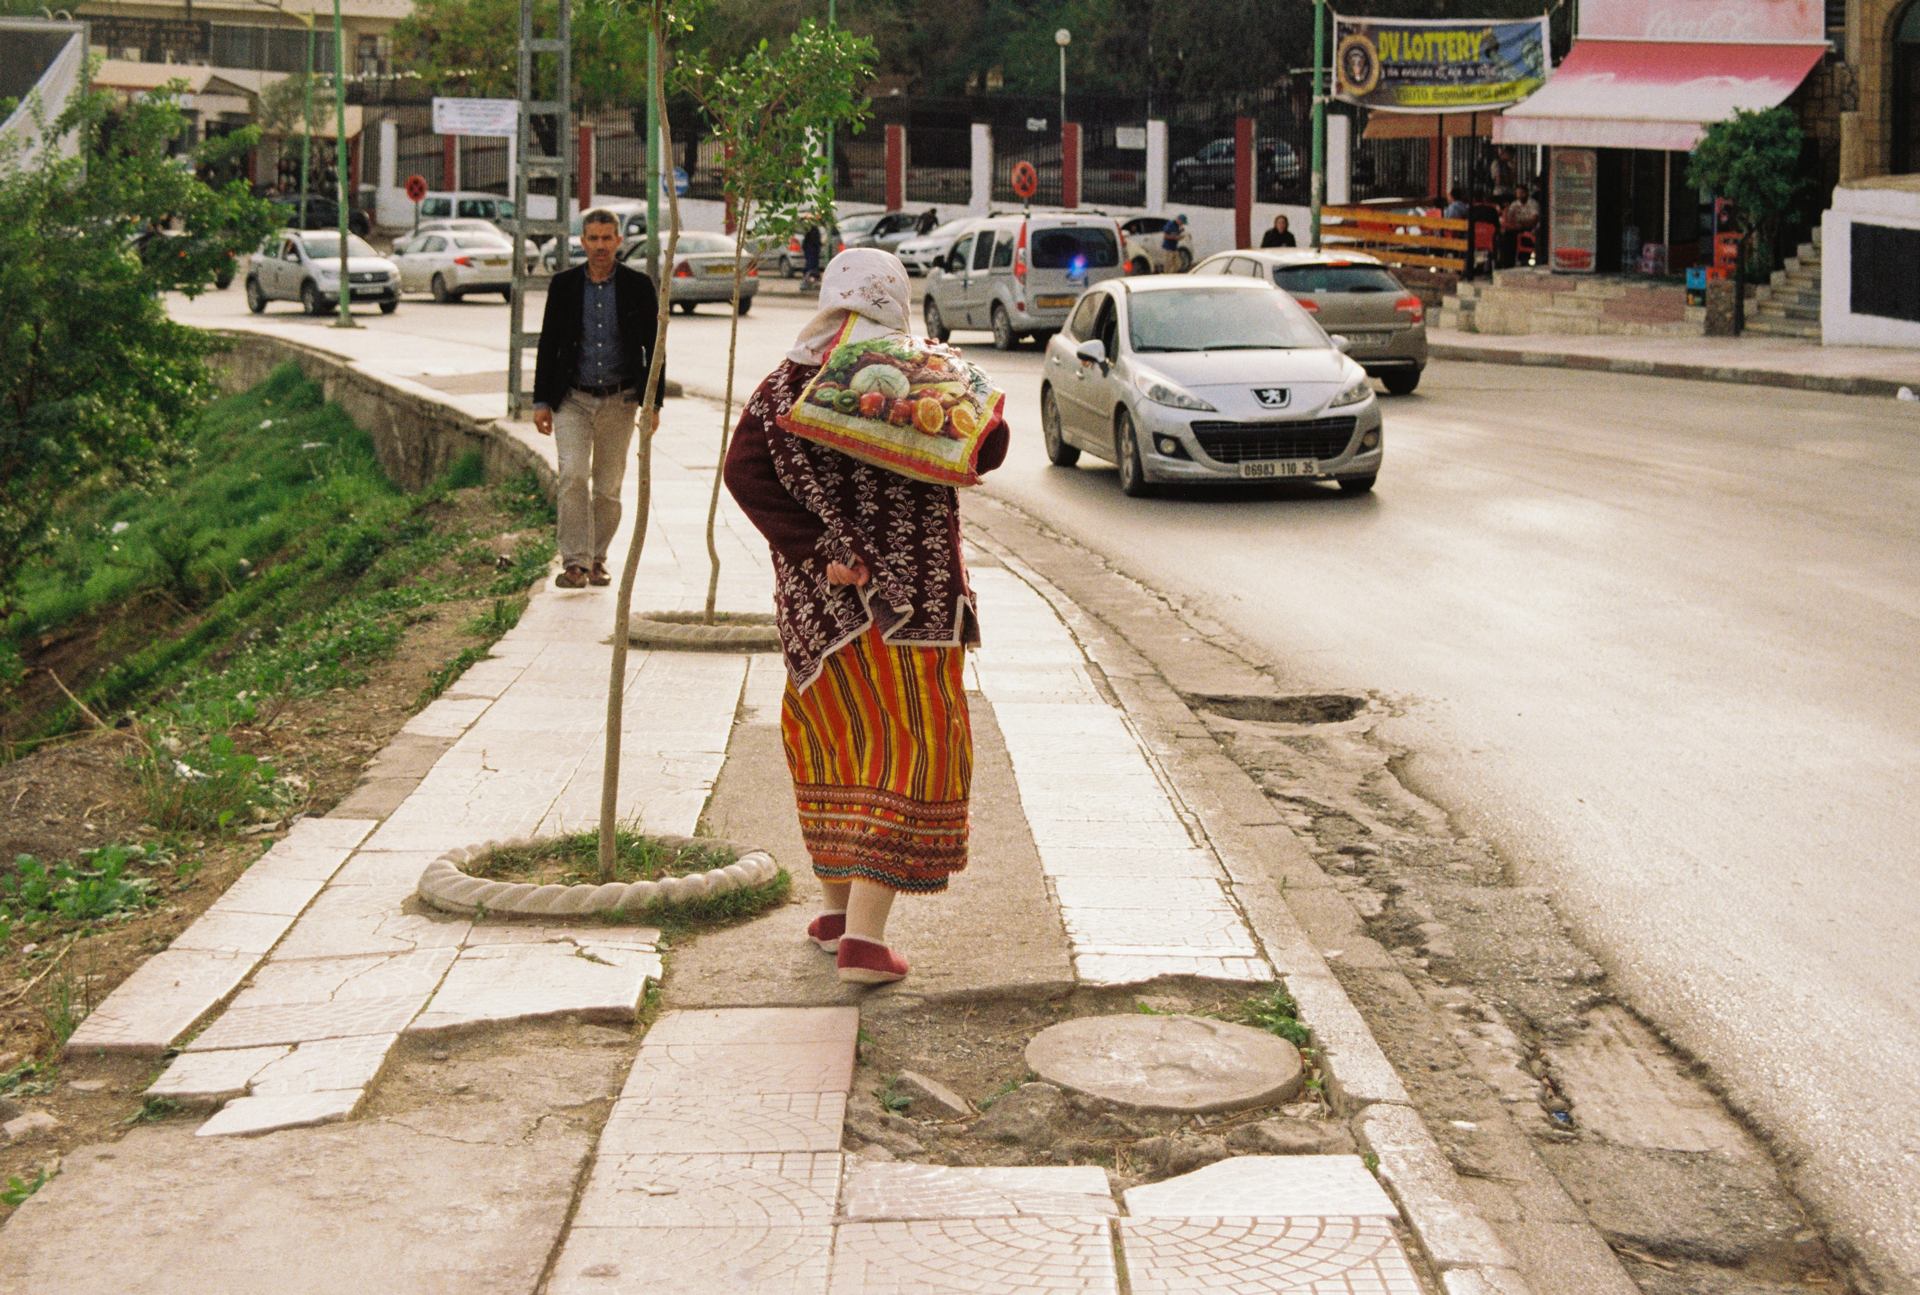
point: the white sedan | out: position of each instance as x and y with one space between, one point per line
921 253
452 263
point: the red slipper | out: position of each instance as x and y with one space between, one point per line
862 962
826 930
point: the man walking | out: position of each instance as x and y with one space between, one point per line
594 343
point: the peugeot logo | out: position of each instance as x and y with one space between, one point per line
1271 397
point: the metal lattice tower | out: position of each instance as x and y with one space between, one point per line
531 166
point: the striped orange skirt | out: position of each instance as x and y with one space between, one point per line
881 752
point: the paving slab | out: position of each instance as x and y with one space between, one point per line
900 1191
347 920
991 1256
1141 865
250 1027
724 1122
1137 968
757 1025
327 980
253 1115
1215 931
165 994
338 833
694 1261
1265 1186
213 1076
1189 1064
261 892
503 982
757 1190
222 931
325 1065
687 1069
1245 1256
389 868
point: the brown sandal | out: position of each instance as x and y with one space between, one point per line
572 578
599 575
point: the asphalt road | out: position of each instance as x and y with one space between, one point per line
1655 638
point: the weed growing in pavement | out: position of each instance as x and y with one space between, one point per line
1372 1162
18 1189
446 674
1276 1013
571 859
891 1098
1006 1087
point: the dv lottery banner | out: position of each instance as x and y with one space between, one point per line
1407 65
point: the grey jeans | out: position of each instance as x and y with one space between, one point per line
591 435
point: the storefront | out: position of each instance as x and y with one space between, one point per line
1643 81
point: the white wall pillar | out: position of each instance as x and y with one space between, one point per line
1339 159
1156 166
980 201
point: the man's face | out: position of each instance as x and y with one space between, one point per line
600 240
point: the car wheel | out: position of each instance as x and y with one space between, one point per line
936 323
1401 382
746 304
684 307
358 223
388 307
788 270
440 292
1140 265
1059 453
1003 335
1126 456
310 297
223 280
256 299
1357 485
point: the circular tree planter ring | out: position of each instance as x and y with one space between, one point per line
689 632
447 886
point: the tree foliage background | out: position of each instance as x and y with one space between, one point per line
96 383
1754 159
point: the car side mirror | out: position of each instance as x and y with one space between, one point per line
1340 343
1092 351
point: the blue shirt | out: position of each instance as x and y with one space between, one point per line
602 361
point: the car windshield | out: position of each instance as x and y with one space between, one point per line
1089 248
326 247
949 230
704 244
1200 319
859 224
1335 278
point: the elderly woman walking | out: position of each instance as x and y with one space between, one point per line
874 613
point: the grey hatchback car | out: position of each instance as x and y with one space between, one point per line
1351 295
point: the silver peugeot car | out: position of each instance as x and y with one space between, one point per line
1183 379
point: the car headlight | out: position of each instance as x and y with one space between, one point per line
329 274
1359 392
1161 392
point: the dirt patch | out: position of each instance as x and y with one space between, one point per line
1299 708
574 860
975 1047
84 792
1510 1044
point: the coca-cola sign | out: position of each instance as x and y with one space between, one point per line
1745 22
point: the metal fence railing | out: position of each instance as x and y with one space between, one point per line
1113 163
860 166
1392 170
483 165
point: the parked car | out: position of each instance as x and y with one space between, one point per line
1182 379
920 252
576 253
1019 275
472 225
886 230
1350 294
790 258
1211 167
1146 254
304 266
452 263
322 213
703 273
444 204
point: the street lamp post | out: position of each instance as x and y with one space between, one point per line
340 162
1063 38
830 172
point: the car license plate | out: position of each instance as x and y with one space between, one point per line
1054 303
716 269
1367 341
494 260
1263 469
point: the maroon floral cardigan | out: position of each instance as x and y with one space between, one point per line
816 505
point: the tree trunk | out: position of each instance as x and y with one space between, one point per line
726 414
649 423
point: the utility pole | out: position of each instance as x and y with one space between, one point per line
827 233
531 164
1319 114
306 125
340 163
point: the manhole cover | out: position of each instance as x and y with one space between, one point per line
1187 1064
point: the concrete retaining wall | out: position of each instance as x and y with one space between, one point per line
415 435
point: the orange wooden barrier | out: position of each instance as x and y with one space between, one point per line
1397 237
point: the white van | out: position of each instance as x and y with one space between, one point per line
1020 275
446 204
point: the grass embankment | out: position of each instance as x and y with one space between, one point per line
204 656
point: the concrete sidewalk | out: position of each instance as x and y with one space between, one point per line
436 1113
1754 361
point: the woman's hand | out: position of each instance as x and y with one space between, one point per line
839 573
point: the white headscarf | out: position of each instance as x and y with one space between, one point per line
865 282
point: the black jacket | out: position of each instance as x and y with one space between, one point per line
634 301
1274 238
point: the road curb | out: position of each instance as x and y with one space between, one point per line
1740 374
1255 848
